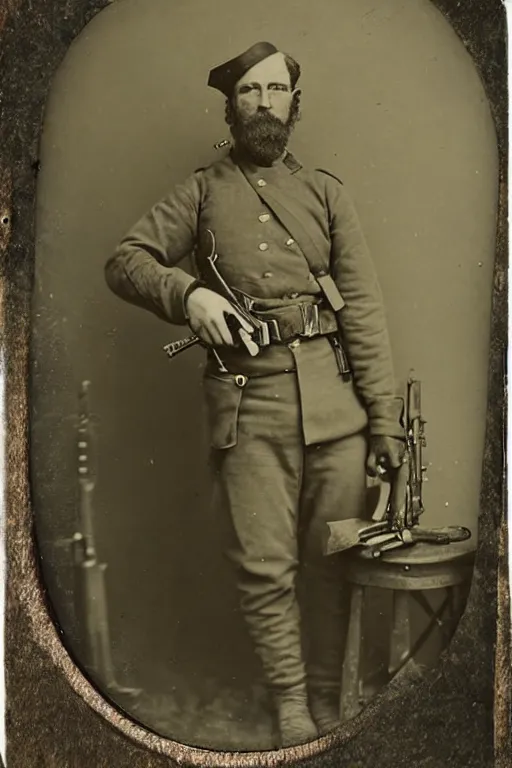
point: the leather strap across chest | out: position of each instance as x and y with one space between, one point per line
287 208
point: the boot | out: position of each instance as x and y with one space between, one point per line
325 710
325 602
294 721
324 668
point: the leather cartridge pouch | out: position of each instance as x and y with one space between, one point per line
223 395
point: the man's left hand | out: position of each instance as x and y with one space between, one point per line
385 453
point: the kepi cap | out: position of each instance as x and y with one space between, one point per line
225 76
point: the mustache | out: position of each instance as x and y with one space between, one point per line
265 120
261 116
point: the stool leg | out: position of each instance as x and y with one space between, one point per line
349 704
400 634
454 609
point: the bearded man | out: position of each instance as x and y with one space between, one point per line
294 429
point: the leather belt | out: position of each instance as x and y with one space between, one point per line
304 320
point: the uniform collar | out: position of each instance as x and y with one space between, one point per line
287 161
291 162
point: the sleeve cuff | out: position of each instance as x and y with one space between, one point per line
174 288
386 417
186 293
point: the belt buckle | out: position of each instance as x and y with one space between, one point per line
310 320
268 331
273 329
263 334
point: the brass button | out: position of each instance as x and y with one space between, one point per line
290 241
263 217
294 295
261 183
294 343
263 246
267 274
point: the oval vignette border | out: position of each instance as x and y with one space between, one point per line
52 709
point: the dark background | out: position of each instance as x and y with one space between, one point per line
393 104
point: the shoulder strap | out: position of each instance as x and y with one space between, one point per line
284 209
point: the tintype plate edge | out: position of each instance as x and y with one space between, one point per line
54 716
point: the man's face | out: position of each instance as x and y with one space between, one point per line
263 111
265 87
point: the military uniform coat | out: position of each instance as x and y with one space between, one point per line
264 221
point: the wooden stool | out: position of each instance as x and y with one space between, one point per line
409 571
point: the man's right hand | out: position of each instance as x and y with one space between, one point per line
207 312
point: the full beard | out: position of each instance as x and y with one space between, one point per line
262 137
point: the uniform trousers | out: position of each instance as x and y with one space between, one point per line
277 494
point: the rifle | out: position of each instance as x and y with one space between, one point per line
400 506
90 586
212 277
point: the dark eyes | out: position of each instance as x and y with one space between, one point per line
254 88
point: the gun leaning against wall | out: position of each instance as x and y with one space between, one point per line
90 585
397 516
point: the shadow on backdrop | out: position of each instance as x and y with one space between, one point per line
393 105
